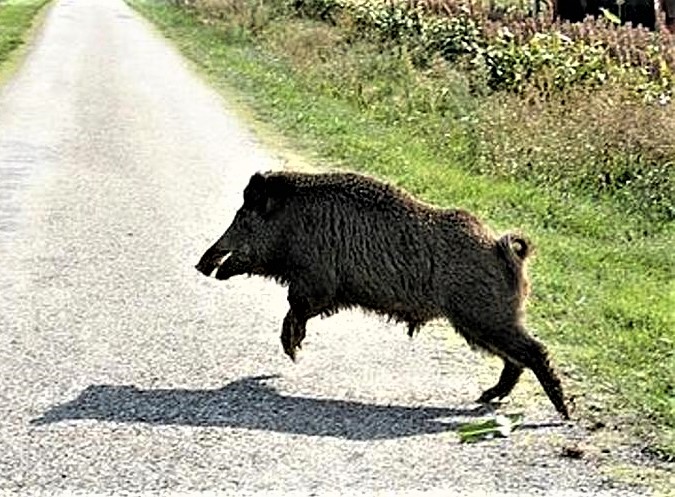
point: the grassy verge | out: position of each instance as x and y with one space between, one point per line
604 291
16 19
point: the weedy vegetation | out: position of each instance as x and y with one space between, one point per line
16 18
565 131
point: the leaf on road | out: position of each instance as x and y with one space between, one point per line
500 426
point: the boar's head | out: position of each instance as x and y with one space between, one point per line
253 235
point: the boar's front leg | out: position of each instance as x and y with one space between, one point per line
294 329
303 308
290 333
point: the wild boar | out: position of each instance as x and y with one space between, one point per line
344 240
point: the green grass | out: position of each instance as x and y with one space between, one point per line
603 279
16 19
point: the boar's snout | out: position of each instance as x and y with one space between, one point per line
212 258
206 267
208 263
241 240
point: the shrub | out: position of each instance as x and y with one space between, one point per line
513 52
602 142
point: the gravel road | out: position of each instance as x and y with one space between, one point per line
124 370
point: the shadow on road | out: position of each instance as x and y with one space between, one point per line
251 404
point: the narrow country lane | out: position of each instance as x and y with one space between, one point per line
124 370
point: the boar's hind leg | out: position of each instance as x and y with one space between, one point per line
521 349
507 381
510 374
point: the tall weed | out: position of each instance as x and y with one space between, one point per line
602 142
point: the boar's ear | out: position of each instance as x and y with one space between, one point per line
254 191
275 193
263 194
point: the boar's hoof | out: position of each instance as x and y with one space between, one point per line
292 334
291 352
291 348
488 395
288 345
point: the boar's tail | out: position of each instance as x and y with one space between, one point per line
515 245
514 249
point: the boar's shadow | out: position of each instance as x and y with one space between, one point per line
249 403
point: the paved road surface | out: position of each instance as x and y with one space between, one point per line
123 369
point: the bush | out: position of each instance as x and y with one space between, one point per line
568 107
514 52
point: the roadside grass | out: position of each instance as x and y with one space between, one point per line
603 278
16 19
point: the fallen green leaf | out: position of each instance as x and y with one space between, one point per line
500 425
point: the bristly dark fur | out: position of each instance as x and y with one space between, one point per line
342 240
